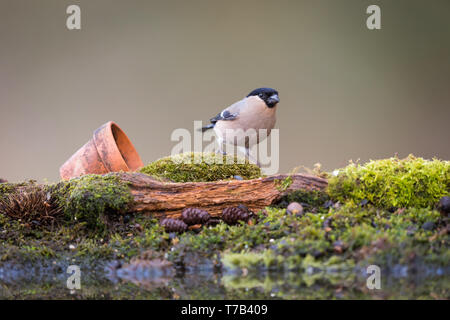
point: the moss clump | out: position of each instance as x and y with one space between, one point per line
196 167
7 188
92 197
393 182
283 185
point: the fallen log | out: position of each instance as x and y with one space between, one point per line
167 199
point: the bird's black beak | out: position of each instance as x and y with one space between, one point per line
273 100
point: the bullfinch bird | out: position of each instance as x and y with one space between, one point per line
242 121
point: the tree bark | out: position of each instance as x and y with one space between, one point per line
166 199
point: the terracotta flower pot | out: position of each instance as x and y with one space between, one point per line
109 150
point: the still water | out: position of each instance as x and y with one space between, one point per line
49 281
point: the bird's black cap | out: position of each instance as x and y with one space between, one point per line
268 95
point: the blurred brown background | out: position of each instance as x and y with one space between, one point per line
153 66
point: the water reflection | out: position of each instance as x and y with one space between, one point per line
160 282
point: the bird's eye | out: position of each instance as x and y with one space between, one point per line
261 95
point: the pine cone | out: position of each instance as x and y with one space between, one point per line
192 216
212 222
174 225
232 215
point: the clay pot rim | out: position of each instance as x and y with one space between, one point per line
111 150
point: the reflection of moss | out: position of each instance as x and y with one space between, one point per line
410 182
254 260
91 197
206 286
250 282
185 167
332 285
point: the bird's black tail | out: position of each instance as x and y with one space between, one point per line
209 126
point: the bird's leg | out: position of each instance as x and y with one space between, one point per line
250 157
220 150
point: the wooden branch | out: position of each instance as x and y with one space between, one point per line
165 199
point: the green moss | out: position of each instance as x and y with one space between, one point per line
5 189
8 188
92 198
351 234
410 182
72 239
201 167
282 185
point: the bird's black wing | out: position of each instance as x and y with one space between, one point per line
224 115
